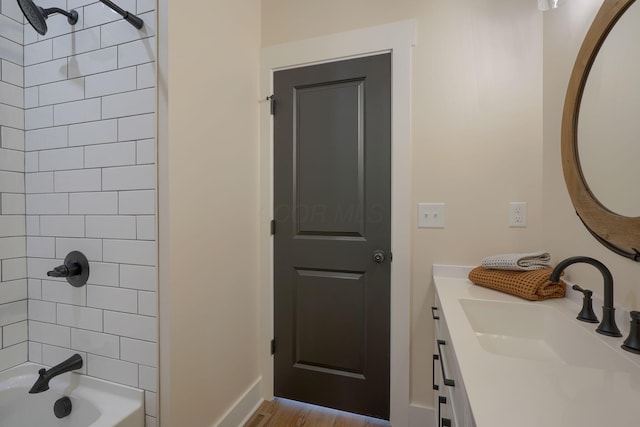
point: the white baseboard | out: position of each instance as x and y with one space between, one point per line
243 408
421 416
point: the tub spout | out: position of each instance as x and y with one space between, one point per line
42 383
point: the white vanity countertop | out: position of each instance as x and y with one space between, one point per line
596 384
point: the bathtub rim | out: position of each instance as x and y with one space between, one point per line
103 394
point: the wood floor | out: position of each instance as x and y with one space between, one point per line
285 413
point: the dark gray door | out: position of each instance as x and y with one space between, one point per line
332 194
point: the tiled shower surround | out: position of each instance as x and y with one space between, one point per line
13 261
89 185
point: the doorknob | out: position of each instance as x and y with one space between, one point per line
378 256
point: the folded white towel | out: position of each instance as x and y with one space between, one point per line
518 262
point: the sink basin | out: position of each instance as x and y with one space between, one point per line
532 364
537 332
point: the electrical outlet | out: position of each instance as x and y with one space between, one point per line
430 215
517 214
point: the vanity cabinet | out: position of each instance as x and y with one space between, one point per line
451 402
521 363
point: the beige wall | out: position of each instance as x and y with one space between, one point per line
476 133
208 165
478 142
564 30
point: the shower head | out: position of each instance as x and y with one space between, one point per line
37 16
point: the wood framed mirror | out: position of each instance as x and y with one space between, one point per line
618 232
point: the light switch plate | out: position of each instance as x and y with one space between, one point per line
431 215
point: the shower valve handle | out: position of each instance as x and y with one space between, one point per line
60 271
67 270
75 269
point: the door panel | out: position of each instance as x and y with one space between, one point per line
329 137
330 325
332 208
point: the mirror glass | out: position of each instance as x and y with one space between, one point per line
608 135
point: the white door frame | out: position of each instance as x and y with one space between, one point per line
397 38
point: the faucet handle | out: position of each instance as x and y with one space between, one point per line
60 271
586 292
632 343
75 269
586 314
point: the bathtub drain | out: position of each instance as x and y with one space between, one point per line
62 407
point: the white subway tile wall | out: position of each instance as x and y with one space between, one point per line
81 175
13 252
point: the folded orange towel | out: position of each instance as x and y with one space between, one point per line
532 285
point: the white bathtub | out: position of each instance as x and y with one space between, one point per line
95 403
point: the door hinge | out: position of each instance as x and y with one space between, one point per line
273 227
390 256
273 346
272 104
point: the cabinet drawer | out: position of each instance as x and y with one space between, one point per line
445 413
436 315
447 378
